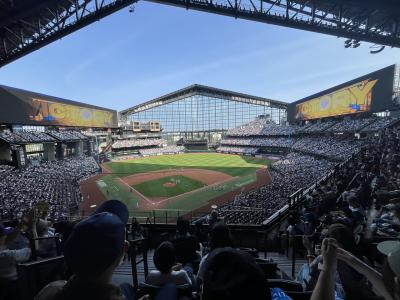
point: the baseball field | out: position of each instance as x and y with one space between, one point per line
184 182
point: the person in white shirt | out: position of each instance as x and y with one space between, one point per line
8 262
167 270
9 257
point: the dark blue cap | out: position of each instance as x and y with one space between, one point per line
115 207
97 241
5 230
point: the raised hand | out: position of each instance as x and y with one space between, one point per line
329 254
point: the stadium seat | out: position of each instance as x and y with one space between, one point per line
270 269
33 276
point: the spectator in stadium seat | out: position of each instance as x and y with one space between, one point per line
325 286
386 285
214 217
348 283
357 214
182 227
167 270
94 249
8 261
46 247
220 237
136 229
295 226
231 274
187 248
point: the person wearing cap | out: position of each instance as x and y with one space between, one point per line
391 273
93 250
386 285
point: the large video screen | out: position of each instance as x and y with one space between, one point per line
372 92
27 108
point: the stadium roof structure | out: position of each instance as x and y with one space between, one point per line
197 89
27 25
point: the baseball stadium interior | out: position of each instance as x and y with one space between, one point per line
202 193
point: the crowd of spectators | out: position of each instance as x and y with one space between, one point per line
291 173
254 127
272 129
138 143
26 137
55 183
32 137
378 125
264 127
95 133
338 148
259 142
238 150
162 150
318 126
339 223
358 206
316 138
67 135
5 169
191 266
344 215
351 125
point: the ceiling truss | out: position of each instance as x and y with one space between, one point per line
27 25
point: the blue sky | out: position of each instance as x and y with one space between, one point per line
128 58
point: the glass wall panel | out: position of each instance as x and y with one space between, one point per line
205 115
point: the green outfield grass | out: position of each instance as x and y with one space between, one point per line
156 188
233 165
241 167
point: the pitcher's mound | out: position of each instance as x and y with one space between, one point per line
169 184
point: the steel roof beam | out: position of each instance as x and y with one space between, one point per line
312 24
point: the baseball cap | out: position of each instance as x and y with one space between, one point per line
393 259
233 274
115 207
387 247
5 230
97 241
